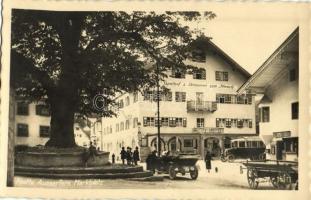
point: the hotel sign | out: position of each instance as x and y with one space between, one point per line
281 134
173 83
208 130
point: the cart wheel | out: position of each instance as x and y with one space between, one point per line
172 173
284 181
194 174
274 182
252 178
230 158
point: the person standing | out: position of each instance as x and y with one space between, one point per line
208 158
123 155
136 156
128 155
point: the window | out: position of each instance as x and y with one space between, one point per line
149 121
117 127
172 122
164 121
240 123
221 76
22 130
184 122
122 126
250 123
198 56
234 144
242 144
127 124
180 96
44 131
199 74
240 99
127 101
295 110
265 115
228 123
254 144
220 98
42 110
148 95
200 122
77 128
179 122
121 104
292 75
22 108
178 73
188 143
135 97
167 96
135 122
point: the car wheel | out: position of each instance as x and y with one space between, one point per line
230 158
172 172
194 174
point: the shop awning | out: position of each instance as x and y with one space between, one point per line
266 139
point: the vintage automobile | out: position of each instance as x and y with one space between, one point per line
245 148
174 163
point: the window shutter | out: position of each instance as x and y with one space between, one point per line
203 74
184 122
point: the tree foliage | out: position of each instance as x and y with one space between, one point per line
72 56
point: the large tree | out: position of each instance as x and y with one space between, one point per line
69 57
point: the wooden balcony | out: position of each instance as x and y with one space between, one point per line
199 106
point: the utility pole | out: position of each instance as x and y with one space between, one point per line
158 110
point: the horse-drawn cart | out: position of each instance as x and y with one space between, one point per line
281 174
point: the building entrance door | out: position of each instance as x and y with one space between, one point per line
173 145
279 150
212 145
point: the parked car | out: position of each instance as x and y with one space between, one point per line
173 163
245 148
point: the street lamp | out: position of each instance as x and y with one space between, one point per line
158 109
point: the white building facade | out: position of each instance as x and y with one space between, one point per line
201 112
277 80
32 125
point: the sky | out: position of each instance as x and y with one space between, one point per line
250 34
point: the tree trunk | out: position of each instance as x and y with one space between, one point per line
62 121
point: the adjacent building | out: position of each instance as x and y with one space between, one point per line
32 125
277 82
201 112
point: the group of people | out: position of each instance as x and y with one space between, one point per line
130 157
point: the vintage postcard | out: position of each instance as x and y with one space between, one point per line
155 100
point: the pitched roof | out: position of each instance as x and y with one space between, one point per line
271 71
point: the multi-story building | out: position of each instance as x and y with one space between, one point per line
277 81
32 122
201 112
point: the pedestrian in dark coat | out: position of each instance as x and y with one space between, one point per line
208 158
136 156
129 156
123 155
151 161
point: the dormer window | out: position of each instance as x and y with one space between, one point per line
198 56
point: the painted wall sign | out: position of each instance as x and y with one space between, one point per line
281 134
199 85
